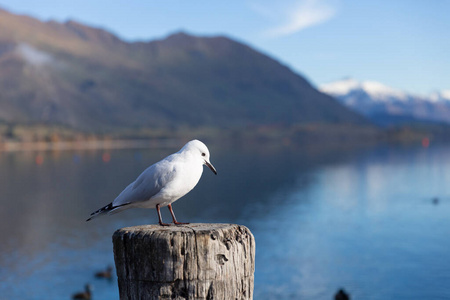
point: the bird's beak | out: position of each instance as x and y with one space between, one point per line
211 167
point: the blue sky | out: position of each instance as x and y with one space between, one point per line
403 43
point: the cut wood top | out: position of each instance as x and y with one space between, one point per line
193 227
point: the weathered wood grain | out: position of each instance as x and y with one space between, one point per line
195 261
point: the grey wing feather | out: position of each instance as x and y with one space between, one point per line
147 185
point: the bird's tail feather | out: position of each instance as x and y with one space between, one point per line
108 209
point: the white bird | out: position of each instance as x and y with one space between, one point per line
164 182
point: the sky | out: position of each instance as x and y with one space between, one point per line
404 44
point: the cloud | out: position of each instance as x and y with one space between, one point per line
296 16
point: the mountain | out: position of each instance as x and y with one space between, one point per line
89 79
386 106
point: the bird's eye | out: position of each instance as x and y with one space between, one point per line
203 154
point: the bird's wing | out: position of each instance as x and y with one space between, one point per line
148 184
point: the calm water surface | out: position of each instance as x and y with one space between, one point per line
323 219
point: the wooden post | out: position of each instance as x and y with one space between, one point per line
195 261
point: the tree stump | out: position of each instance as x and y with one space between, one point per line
195 261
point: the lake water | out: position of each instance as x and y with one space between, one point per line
323 219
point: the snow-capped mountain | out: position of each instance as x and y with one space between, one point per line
440 96
385 105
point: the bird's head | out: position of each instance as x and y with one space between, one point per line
200 152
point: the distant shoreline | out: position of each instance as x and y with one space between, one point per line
300 135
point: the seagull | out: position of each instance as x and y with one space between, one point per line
164 182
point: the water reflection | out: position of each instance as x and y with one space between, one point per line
360 219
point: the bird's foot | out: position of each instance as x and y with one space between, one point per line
163 224
180 223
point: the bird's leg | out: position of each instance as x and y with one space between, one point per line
173 216
159 216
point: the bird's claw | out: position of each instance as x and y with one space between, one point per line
180 223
